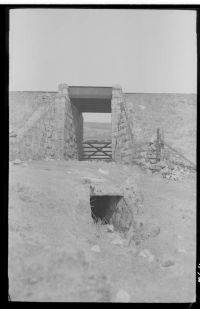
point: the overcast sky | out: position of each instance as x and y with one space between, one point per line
148 51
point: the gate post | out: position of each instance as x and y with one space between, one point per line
117 99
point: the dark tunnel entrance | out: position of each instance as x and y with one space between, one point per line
103 207
93 104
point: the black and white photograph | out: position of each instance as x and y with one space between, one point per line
102 154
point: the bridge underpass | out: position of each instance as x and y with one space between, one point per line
93 100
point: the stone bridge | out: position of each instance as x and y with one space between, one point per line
55 130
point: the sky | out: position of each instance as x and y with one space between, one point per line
145 51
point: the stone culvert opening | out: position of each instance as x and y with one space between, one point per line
103 207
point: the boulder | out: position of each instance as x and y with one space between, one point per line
104 172
155 167
162 164
96 248
152 160
17 161
110 228
118 241
168 263
122 296
165 170
147 254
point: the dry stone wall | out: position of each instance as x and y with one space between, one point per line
134 131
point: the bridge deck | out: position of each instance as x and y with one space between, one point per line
91 99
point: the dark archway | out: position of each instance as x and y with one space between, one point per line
90 100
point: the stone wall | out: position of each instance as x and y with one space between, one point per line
126 149
49 126
22 104
32 141
54 130
122 147
165 161
73 133
134 131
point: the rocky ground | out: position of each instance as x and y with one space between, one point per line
57 252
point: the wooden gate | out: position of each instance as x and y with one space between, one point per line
97 150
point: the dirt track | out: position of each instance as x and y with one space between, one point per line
51 234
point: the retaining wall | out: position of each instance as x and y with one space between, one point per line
53 130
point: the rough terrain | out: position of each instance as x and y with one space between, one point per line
174 113
57 252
